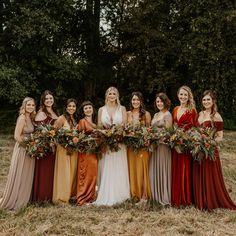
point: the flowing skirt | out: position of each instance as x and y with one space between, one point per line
87 178
65 175
138 163
208 185
114 179
160 174
18 188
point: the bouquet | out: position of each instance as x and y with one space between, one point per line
89 143
136 136
158 136
40 142
109 138
202 143
69 139
177 138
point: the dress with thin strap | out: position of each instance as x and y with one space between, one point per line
114 179
160 166
18 188
65 173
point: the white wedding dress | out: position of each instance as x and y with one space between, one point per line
114 178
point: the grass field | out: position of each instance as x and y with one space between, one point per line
125 219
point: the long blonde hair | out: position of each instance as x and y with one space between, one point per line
23 105
117 94
190 103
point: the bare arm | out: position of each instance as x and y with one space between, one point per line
19 128
99 117
40 116
124 115
59 122
147 118
168 120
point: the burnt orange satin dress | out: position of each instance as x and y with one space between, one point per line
87 171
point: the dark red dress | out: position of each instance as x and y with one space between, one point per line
181 188
44 173
208 183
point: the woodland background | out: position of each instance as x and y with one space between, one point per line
78 48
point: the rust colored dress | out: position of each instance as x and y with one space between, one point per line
208 183
87 171
44 173
181 188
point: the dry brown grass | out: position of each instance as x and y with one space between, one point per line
124 219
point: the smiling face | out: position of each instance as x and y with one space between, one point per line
183 96
207 102
49 100
111 96
30 106
160 104
88 110
71 108
135 101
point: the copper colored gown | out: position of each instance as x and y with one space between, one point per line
44 173
181 188
87 171
208 183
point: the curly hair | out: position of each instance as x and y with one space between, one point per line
190 103
23 106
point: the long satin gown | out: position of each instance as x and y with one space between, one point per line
160 166
44 173
114 178
87 171
65 174
181 190
18 188
208 182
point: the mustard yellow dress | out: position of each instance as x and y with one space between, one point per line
138 164
65 174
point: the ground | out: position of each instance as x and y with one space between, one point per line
125 219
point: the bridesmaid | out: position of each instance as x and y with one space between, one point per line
21 173
87 163
44 167
114 177
208 182
184 116
138 161
160 161
65 173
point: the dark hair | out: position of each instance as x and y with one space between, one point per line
72 121
164 98
42 105
81 110
142 110
213 97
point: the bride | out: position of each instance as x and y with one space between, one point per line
114 179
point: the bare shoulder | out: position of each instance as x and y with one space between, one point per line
40 116
218 117
21 118
123 108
